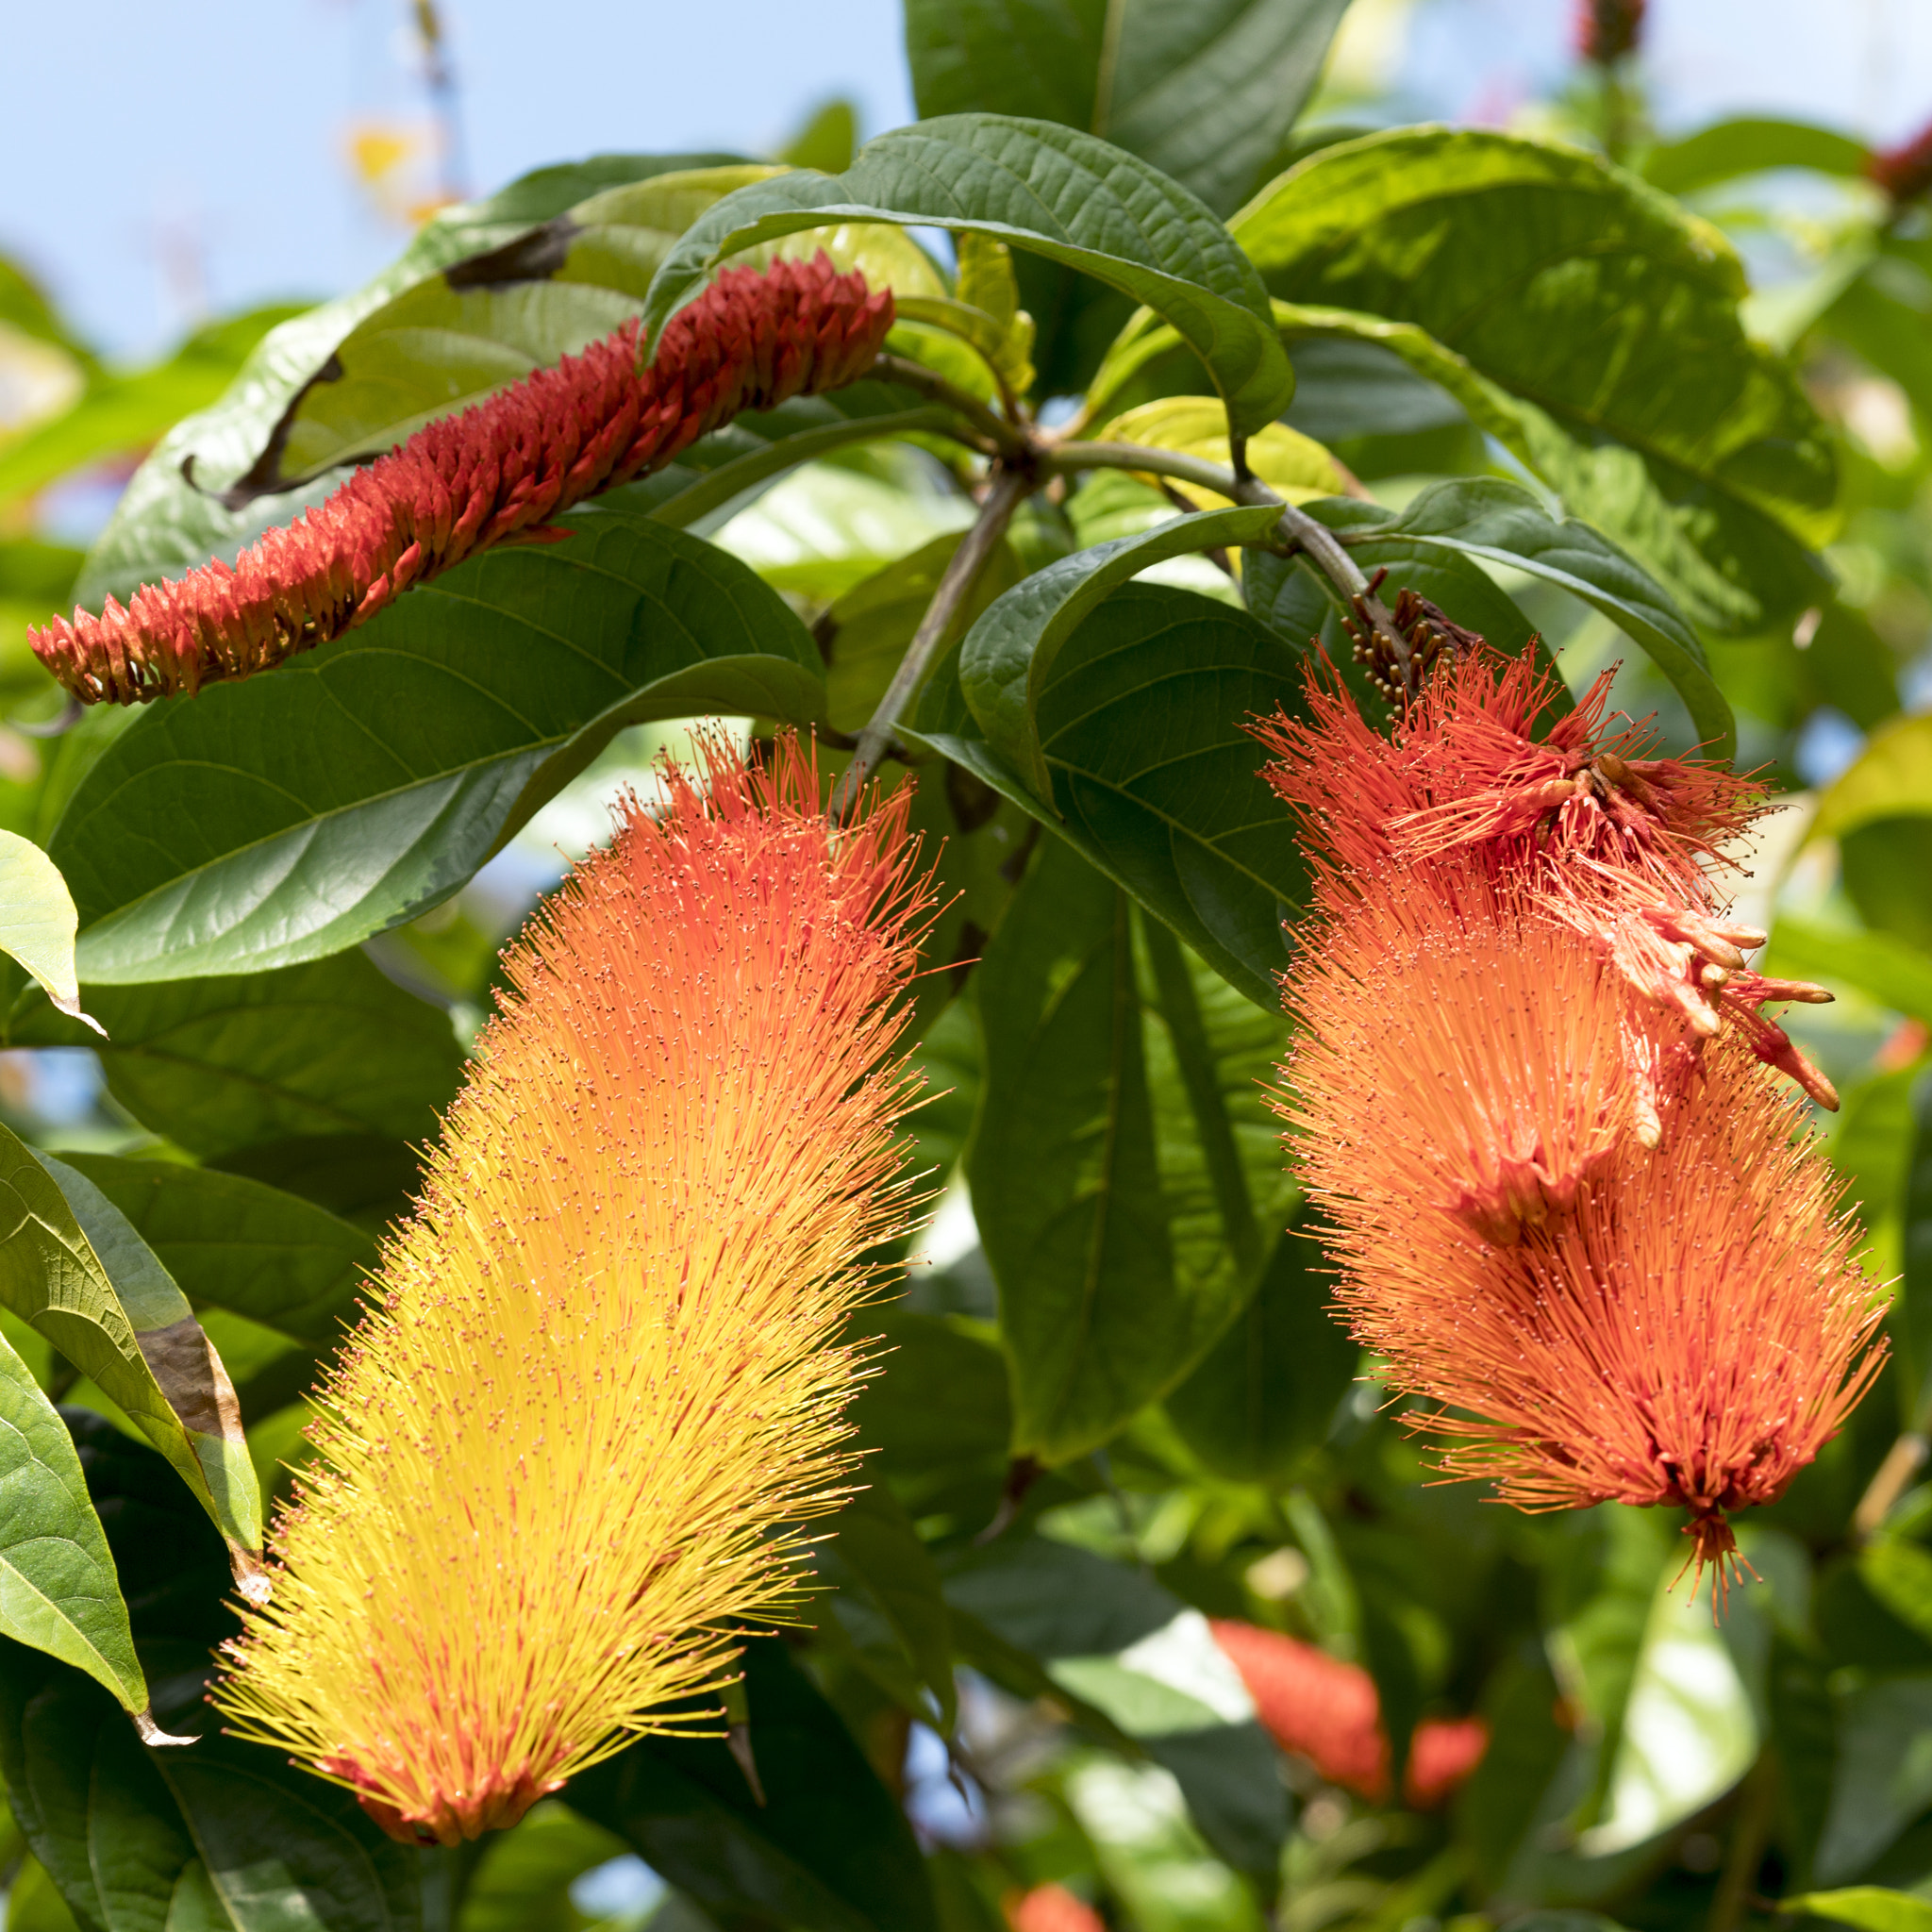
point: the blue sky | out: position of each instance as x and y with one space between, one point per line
196 152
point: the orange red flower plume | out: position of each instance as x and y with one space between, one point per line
1905 172
1569 1209
495 474
562 1456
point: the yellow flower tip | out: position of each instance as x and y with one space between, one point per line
604 1374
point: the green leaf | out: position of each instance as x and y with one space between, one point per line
1804 1732
1155 781
864 634
124 413
1267 1392
1882 316
38 921
1129 1654
59 1592
366 781
1579 289
1125 1175
1208 91
1891 777
1502 1800
72 1267
1871 1908
235 1244
1008 654
1053 190
1883 1777
285 1849
1879 966
522 1883
1751 145
218 1065
827 1852
1912 1318
164 523
1502 525
876 1549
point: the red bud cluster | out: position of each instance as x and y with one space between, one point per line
1606 30
1903 172
497 474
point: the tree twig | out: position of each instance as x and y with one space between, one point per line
1010 489
1006 439
1297 531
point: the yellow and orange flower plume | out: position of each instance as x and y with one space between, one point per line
562 1457
1531 1087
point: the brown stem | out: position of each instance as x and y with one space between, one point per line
1006 439
1903 1461
1010 488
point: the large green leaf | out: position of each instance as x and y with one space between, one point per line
218 1065
1207 90
1870 1908
1750 146
1131 1656
1503 525
167 521
270 1848
1267 1392
59 1592
828 1851
366 781
1574 286
1009 654
887 1603
522 1883
38 921
1155 781
72 1267
1127 1177
1052 191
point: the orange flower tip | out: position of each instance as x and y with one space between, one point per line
495 1805
1714 1547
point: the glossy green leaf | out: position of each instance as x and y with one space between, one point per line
1884 1778
1502 525
1267 1392
1498 1807
165 522
71 1265
827 1852
1871 1908
1009 654
1882 316
1127 1651
1155 779
38 921
1751 144
1889 778
1882 968
1576 288
59 1592
888 1594
1053 190
1804 1732
1125 1175
1208 92
366 781
1912 1317
235 1244
218 1065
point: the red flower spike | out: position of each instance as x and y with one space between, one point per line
495 474
1905 172
1327 1712
1051 1909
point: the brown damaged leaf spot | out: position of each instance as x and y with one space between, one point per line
192 1378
